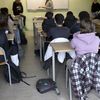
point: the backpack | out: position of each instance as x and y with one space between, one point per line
16 74
45 85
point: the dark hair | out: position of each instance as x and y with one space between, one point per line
46 2
49 15
3 21
69 13
70 16
84 15
86 26
59 18
4 10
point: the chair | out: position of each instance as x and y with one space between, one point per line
5 62
83 74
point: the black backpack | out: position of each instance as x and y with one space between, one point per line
45 85
16 74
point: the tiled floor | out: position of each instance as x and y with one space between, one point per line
31 64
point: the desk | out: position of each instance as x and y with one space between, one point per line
58 47
42 36
97 24
37 27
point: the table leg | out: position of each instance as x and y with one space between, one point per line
40 47
53 72
53 65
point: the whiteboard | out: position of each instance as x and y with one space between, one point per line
35 4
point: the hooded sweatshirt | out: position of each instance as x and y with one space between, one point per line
85 43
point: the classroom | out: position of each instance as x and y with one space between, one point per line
40 55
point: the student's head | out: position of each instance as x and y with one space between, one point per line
3 21
49 15
59 19
4 11
86 26
84 15
69 13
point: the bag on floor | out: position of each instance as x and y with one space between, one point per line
16 74
45 85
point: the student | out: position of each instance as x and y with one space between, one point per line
85 41
71 22
10 24
48 23
59 30
95 8
9 50
18 10
84 15
70 19
3 38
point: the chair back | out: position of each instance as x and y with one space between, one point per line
2 53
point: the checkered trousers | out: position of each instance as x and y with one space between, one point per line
85 74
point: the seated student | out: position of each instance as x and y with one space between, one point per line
12 50
70 19
48 22
84 15
10 19
59 30
85 41
95 8
71 22
10 24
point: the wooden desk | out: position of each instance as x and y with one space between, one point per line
97 24
37 27
59 47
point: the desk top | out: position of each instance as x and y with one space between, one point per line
96 22
10 36
61 46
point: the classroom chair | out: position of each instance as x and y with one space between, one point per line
5 62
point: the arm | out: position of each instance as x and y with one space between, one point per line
14 8
21 10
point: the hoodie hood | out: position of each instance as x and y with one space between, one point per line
87 37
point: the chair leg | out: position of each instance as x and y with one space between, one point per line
70 89
9 71
68 83
67 76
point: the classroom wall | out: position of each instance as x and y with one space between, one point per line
74 5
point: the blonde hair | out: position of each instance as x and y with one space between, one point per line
86 26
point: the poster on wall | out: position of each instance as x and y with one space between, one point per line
36 4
